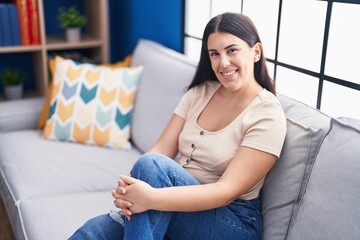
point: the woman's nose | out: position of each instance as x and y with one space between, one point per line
224 61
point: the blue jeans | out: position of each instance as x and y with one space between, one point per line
239 220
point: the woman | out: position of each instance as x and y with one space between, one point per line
229 129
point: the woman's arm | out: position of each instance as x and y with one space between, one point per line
247 168
167 143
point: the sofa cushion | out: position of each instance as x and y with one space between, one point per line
35 167
283 186
92 104
58 217
334 182
166 75
44 114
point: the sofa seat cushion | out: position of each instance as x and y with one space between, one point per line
58 217
33 167
283 187
334 182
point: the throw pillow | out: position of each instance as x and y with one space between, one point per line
329 208
306 127
92 104
44 114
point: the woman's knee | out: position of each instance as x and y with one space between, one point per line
149 162
161 171
152 168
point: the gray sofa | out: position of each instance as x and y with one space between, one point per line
50 188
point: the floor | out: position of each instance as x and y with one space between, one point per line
5 229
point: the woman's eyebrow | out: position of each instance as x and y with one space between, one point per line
227 47
232 45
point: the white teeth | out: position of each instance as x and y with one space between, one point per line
228 73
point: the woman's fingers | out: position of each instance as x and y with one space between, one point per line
121 183
124 206
120 203
120 190
127 180
127 213
119 194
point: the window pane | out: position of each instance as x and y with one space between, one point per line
339 101
192 48
265 20
343 53
195 20
270 67
302 32
297 85
221 6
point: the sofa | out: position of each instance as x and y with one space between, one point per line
50 188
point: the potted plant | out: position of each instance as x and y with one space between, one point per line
71 20
13 83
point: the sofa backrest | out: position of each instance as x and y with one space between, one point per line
20 114
166 75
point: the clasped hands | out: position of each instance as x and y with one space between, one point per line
132 196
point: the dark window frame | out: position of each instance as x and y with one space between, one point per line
321 76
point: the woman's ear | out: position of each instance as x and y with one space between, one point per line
258 50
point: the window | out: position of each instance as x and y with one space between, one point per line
313 57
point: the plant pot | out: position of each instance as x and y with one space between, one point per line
73 34
13 92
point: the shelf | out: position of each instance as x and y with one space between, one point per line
19 49
27 94
59 43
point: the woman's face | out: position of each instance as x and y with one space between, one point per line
232 60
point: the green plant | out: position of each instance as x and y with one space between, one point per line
12 77
71 18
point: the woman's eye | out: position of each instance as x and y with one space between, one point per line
213 54
232 50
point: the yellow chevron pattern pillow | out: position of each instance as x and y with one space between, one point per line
92 104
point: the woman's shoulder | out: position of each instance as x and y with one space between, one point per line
202 91
267 96
196 97
267 104
206 88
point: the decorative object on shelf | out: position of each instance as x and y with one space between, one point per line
13 83
71 20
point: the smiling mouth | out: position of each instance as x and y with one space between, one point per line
229 74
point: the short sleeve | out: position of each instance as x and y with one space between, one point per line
266 129
183 106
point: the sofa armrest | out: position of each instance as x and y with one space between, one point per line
20 114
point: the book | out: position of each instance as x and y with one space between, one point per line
33 15
14 25
23 21
5 24
1 32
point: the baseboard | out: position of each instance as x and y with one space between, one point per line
5 227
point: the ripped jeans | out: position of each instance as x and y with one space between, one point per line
239 220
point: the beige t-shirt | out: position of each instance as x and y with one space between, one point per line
205 154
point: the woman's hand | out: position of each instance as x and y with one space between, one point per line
119 201
133 196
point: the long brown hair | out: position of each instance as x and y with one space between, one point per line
242 27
